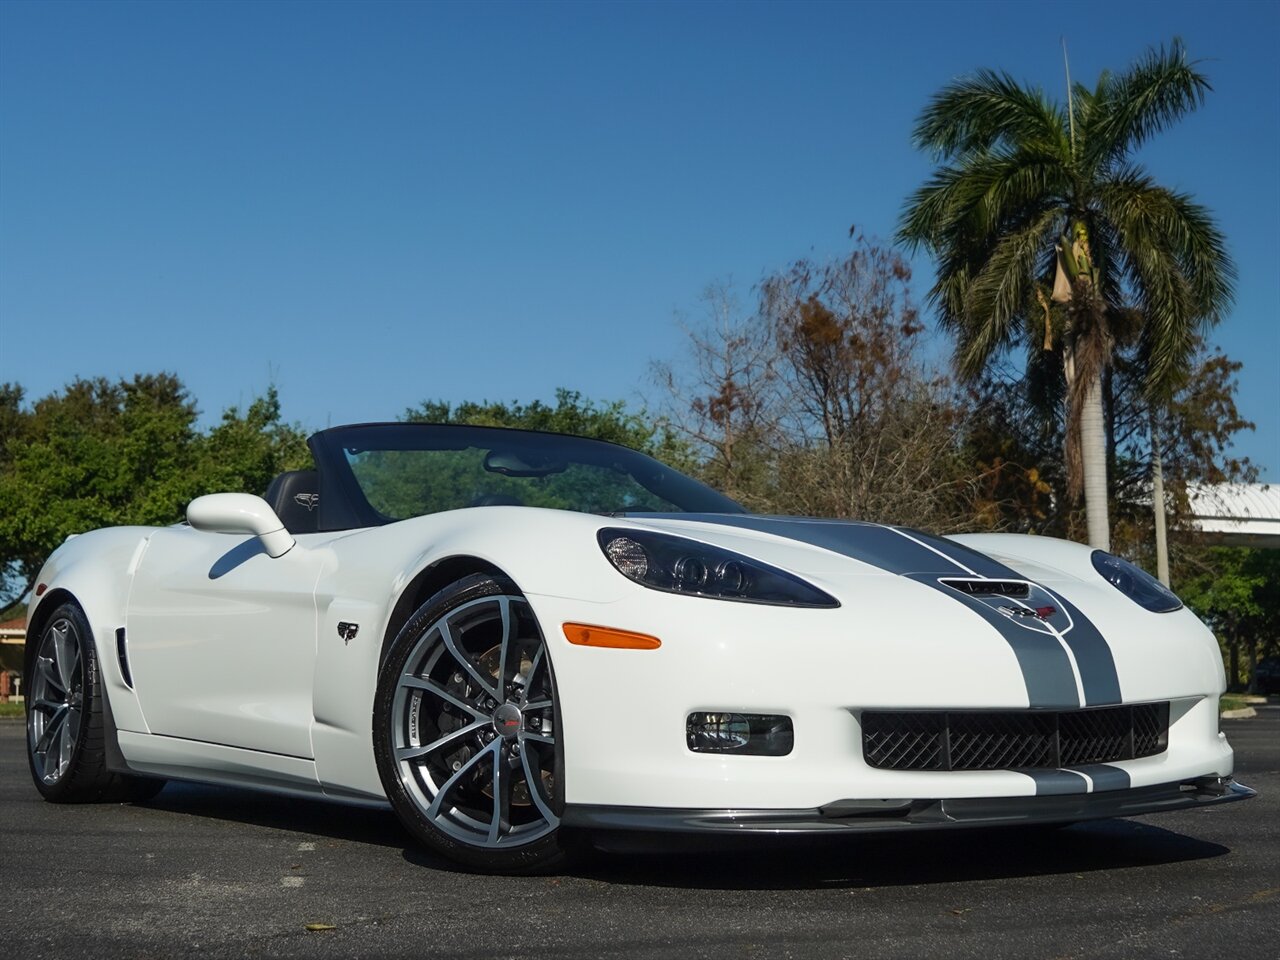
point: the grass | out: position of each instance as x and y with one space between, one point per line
11 710
1231 701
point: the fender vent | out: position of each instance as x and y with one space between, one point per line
122 652
989 588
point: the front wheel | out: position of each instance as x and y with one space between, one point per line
66 726
466 728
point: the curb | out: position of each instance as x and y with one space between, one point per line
1244 713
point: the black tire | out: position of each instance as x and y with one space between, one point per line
66 725
449 724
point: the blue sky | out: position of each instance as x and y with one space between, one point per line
375 204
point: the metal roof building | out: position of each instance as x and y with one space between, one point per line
1238 514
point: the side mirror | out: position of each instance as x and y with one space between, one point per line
240 513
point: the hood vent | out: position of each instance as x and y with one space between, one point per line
979 587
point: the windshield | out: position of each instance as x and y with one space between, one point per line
407 470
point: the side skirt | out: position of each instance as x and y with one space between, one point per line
174 758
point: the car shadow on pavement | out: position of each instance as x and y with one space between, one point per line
895 859
335 821
758 863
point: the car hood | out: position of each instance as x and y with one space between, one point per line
1040 623
818 546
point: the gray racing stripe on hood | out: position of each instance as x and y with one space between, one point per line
1046 669
1093 657
1097 665
1045 666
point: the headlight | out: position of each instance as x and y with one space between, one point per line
678 565
1135 583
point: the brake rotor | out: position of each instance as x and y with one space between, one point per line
490 662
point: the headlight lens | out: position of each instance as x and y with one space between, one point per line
678 565
1135 583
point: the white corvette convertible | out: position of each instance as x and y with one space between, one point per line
517 638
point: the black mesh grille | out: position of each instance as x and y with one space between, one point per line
1002 740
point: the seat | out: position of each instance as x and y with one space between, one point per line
295 497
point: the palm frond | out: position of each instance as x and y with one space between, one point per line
929 210
1164 297
1140 208
1107 252
1151 96
996 298
989 108
956 267
984 194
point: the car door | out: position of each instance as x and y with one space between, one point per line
221 640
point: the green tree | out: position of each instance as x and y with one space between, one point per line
106 453
1238 594
573 414
245 451
1046 231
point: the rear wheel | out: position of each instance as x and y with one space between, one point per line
66 729
467 730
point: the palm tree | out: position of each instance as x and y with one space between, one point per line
1047 232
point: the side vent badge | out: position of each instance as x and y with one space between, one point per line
347 631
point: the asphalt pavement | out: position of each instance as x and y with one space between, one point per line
207 871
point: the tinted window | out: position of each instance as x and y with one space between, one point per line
407 470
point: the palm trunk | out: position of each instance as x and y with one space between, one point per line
1093 456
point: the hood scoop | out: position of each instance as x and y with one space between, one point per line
981 587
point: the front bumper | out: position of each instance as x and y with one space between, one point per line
624 712
878 816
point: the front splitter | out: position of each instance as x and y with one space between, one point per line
880 816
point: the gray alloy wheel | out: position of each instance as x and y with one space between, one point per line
67 717
57 701
470 737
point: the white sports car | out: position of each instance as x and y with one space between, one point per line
517 638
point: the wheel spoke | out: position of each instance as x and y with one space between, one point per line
465 770
503 783
51 727
50 764
536 705
67 654
47 671
413 753
423 683
533 781
65 743
50 705
73 723
486 682
508 628
533 672
538 738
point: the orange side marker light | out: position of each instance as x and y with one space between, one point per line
586 635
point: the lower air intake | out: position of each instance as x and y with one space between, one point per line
1012 739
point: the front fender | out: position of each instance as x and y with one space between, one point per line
96 570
